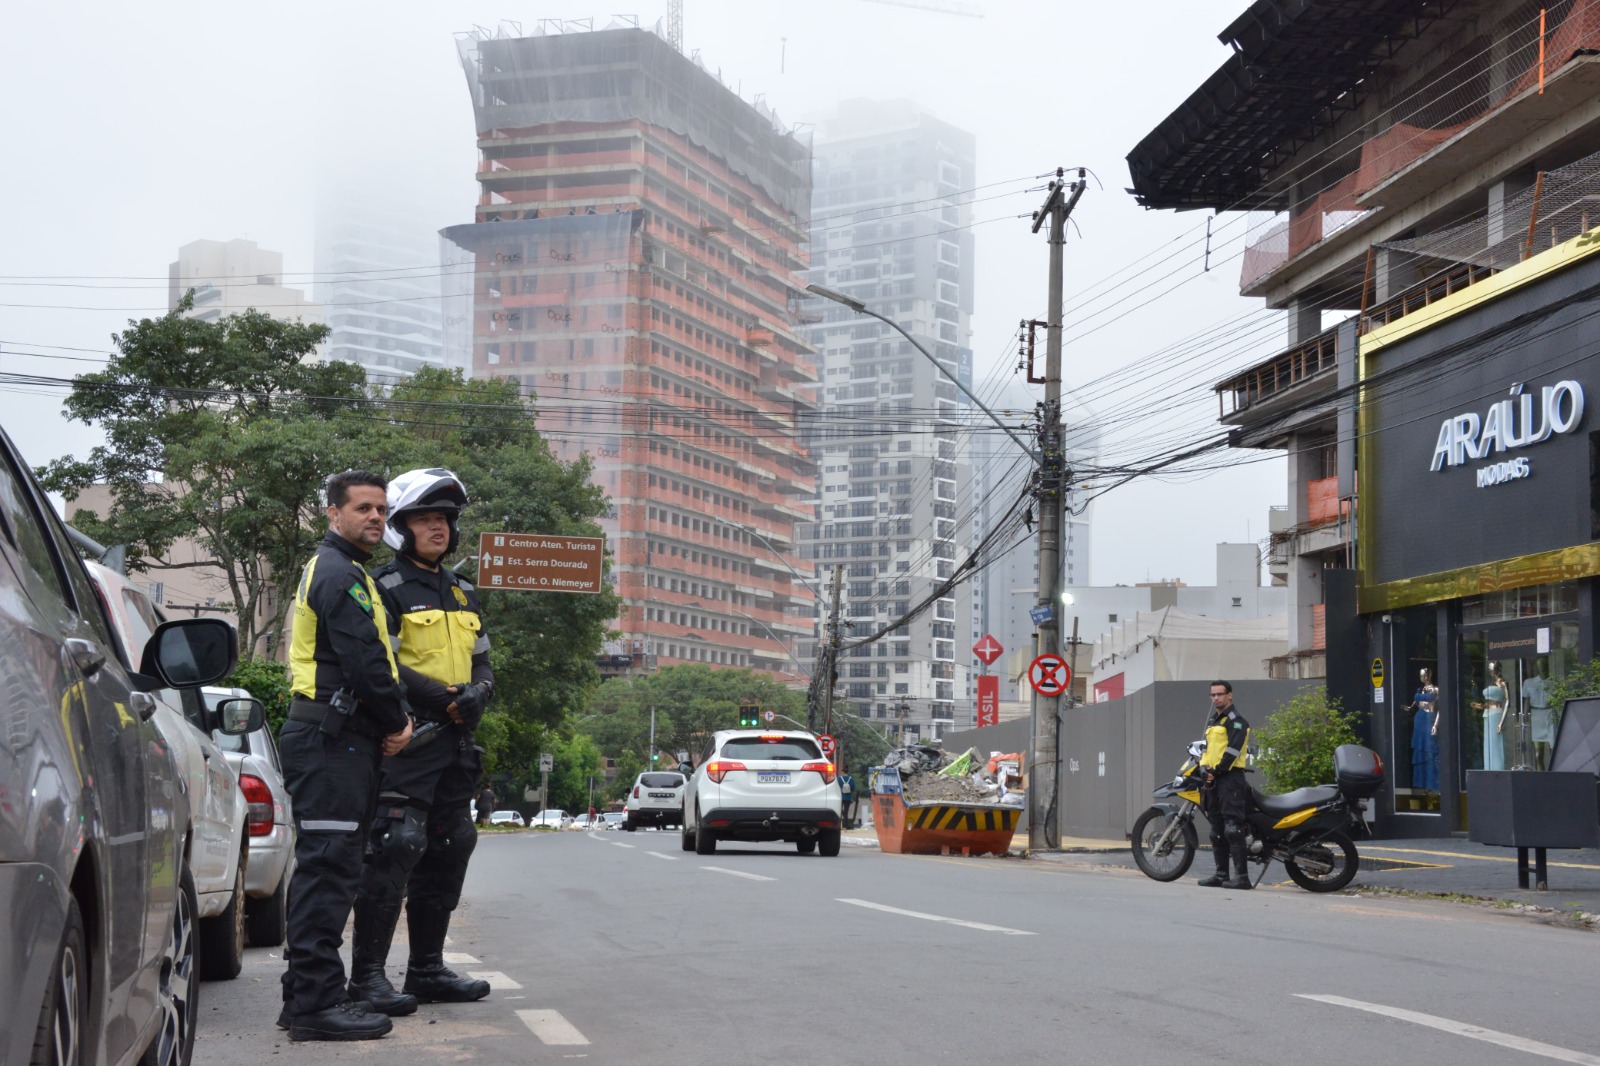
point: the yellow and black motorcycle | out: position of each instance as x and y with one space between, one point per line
1308 830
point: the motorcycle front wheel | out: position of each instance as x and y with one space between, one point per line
1326 866
1164 851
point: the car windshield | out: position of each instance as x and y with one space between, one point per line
771 747
660 780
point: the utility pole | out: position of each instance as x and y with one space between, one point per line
830 669
1043 817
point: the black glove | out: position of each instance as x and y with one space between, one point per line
470 703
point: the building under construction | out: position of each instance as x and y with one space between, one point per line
636 261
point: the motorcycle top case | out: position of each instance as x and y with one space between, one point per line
1358 771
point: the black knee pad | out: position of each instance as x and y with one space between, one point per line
443 869
1235 831
399 838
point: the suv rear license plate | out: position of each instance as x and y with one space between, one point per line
772 777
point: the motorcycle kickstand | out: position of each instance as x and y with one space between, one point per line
1262 876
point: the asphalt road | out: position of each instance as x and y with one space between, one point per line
622 948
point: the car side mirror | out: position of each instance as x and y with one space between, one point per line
190 652
239 716
685 769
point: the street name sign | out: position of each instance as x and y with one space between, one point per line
1049 675
534 562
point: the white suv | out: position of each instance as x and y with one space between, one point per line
756 785
656 798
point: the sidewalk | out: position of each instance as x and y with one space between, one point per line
1448 867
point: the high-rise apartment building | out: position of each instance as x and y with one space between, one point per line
891 228
638 245
233 276
378 279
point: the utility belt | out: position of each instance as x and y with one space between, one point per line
332 718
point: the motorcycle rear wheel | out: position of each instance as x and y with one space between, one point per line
1173 861
1335 850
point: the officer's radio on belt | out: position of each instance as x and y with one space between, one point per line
341 707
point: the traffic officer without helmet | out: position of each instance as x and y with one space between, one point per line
424 836
348 712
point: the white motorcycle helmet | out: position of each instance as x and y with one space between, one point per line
416 491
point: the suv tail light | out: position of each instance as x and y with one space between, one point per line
635 791
720 768
259 814
823 768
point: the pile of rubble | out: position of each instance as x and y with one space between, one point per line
928 775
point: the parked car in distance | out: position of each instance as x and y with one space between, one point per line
763 785
506 818
550 818
220 851
269 822
613 820
656 798
98 956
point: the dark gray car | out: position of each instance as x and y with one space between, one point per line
97 908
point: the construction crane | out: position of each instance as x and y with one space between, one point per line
675 24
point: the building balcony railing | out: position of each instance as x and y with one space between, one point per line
1264 381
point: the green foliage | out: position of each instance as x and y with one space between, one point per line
576 761
268 681
1299 738
691 702
1581 680
222 432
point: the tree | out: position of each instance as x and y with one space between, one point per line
1298 740
268 681
220 431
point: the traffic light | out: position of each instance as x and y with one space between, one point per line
655 756
749 714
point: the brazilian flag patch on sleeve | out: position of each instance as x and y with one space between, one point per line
359 594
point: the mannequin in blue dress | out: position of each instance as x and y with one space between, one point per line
1425 735
1494 720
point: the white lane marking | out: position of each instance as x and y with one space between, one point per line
461 958
495 978
737 873
936 918
1474 1032
620 845
661 855
550 1027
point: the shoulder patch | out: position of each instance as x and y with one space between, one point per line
461 597
390 579
358 593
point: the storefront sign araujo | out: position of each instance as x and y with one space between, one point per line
1518 422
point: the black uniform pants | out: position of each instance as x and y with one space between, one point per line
1227 800
440 781
333 782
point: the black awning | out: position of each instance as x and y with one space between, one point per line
1297 66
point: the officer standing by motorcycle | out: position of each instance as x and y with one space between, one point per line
348 712
424 835
1225 797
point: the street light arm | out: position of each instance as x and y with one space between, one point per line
862 309
775 637
773 548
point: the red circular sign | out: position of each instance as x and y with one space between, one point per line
1049 675
825 742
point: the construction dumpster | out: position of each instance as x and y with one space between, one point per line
937 827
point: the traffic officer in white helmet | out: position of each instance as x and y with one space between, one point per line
423 835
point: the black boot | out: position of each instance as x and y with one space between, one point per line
1242 878
347 1021
427 977
374 932
1220 877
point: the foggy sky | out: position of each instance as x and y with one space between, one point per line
133 129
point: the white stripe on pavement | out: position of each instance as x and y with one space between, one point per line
550 1027
616 845
461 958
737 873
495 978
936 918
1474 1032
661 855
